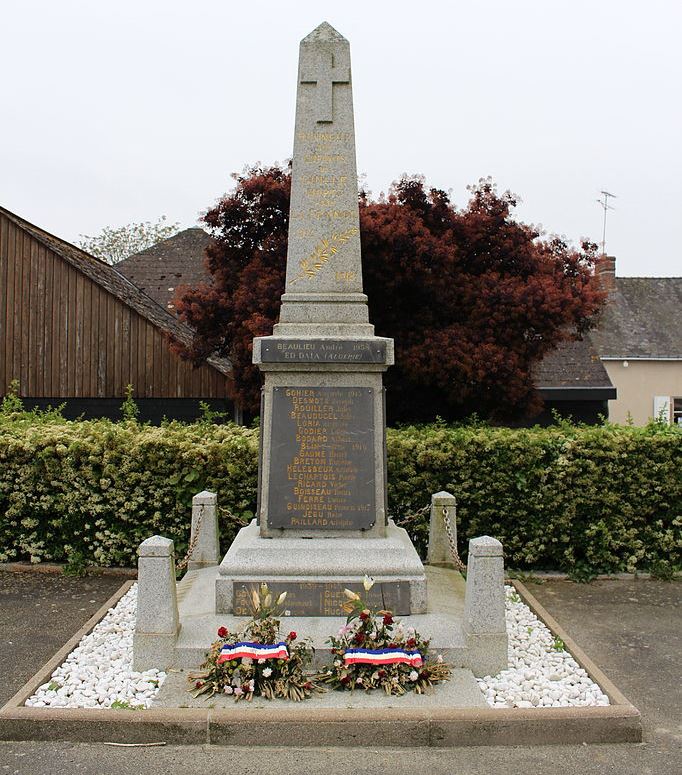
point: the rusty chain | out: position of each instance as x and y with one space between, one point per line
192 544
452 544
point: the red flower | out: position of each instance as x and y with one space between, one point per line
388 619
359 637
292 635
345 679
364 616
199 684
223 632
381 673
411 643
308 685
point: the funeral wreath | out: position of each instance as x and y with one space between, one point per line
375 651
257 660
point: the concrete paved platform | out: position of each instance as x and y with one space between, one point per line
461 691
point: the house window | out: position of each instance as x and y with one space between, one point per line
662 407
677 411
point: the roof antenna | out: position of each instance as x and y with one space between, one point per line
605 206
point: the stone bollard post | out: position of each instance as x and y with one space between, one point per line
204 537
158 624
438 552
484 623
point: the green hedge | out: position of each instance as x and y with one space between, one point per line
90 492
579 499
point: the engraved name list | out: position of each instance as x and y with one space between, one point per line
322 459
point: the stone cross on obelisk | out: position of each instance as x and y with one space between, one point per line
324 73
322 473
324 272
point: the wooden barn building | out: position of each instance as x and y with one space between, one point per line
75 330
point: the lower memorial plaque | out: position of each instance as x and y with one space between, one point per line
325 598
322 467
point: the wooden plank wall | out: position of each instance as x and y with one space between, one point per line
64 336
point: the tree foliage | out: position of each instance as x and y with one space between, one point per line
113 245
472 297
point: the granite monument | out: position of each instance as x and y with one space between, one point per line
322 516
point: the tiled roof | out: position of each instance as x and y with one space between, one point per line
642 319
573 364
115 283
160 269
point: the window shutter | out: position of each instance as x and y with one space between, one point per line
662 408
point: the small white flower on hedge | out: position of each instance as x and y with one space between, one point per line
267 672
414 675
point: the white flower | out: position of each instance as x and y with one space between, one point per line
368 583
252 685
350 594
247 661
337 663
439 658
358 680
238 691
228 690
261 661
414 675
267 672
372 636
281 598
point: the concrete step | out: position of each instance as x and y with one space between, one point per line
461 691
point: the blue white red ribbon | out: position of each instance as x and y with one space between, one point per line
382 657
253 651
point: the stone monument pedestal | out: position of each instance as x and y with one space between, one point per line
314 572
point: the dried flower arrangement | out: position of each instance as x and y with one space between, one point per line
375 651
257 661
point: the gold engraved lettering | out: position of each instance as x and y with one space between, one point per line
324 158
324 138
323 251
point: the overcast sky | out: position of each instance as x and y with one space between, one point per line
122 111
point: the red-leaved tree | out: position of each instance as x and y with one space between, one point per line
472 297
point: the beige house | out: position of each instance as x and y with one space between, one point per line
639 341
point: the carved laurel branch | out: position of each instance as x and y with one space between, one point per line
323 251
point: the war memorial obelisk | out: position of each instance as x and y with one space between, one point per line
322 519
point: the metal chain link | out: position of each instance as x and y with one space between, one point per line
183 562
452 544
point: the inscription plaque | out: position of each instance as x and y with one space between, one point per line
322 351
325 598
322 467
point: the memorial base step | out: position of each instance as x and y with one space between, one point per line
315 571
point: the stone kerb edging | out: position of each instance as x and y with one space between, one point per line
616 697
306 725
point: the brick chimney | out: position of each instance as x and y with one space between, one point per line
605 269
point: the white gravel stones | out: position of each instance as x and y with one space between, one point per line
542 674
99 673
